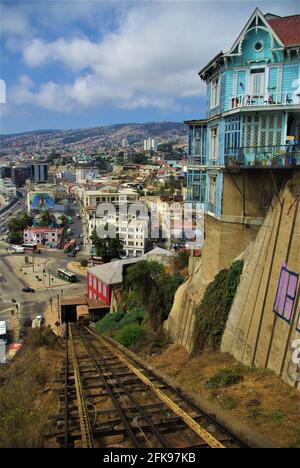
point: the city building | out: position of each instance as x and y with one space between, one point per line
92 198
133 234
5 172
39 172
104 280
42 236
248 143
8 190
19 175
84 174
150 144
125 143
39 199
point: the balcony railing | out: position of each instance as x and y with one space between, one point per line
197 160
285 156
271 99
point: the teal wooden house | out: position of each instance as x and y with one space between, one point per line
249 141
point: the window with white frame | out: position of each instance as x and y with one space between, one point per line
214 143
212 191
214 93
257 82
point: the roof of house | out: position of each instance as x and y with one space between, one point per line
157 251
287 29
112 273
37 230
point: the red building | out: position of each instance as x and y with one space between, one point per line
103 279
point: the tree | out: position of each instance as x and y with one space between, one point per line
15 237
46 218
154 288
101 163
63 220
16 227
107 248
181 260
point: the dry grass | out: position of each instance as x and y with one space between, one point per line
260 399
26 395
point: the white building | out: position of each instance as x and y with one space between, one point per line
8 190
125 143
150 144
86 173
134 234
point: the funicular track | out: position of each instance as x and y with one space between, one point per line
109 400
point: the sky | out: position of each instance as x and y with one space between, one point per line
81 63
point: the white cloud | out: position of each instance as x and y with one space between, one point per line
150 59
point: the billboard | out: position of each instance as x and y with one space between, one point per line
42 201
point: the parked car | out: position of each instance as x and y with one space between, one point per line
27 289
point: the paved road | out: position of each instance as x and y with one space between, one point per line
32 304
11 285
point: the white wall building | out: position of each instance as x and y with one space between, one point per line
150 144
8 190
134 234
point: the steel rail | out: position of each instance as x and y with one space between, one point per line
66 402
183 397
189 421
85 427
120 411
162 440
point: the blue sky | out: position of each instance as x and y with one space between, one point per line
80 63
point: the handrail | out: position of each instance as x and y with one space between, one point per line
268 99
267 155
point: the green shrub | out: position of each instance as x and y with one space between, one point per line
212 313
137 315
130 335
109 322
224 378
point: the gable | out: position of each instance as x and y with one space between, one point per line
257 24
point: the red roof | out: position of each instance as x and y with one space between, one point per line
287 29
37 230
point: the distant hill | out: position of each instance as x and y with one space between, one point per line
134 132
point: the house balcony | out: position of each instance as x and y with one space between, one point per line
197 160
279 157
269 100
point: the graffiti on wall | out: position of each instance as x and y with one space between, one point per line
42 201
286 294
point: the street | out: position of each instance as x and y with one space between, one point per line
13 278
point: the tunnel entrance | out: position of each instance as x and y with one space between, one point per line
68 308
72 309
69 313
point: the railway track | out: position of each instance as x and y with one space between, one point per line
109 400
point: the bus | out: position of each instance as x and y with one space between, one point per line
18 249
67 276
31 248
